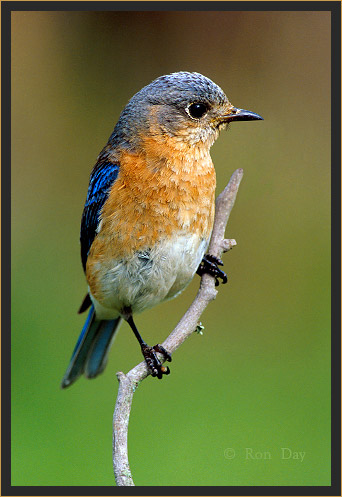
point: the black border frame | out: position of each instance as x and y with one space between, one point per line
335 8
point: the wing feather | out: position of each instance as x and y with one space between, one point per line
101 180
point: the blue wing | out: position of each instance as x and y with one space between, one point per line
101 180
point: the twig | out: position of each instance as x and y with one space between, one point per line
186 326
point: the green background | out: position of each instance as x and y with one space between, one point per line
259 377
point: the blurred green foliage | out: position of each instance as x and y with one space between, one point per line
259 377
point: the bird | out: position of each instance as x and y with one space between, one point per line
149 212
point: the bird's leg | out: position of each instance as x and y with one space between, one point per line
210 265
153 363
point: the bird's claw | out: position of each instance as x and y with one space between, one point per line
154 365
210 265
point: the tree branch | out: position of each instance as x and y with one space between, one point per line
186 326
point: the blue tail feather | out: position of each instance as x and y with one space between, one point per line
91 350
98 355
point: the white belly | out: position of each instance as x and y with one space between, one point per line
150 277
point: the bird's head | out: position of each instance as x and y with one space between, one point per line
185 109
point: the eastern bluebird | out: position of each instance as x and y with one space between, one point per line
149 211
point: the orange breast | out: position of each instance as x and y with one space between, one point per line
155 195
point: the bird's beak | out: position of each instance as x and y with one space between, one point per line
240 115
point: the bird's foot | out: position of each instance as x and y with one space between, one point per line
210 265
153 363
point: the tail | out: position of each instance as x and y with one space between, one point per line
91 352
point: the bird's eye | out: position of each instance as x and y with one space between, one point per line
197 110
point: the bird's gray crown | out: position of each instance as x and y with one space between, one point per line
180 87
